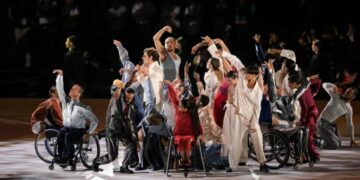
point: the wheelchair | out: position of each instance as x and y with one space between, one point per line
280 148
84 151
44 144
171 153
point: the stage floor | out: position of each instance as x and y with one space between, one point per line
19 161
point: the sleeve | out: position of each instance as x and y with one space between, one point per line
125 60
304 109
271 86
260 53
236 62
315 86
172 96
60 89
329 88
299 92
288 54
40 112
93 121
212 49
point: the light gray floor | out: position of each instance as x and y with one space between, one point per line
19 161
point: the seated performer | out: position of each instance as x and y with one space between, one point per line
187 123
75 119
47 114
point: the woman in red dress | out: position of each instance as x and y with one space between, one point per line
187 124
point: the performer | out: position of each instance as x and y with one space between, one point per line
187 123
170 64
75 117
47 114
338 105
309 113
120 117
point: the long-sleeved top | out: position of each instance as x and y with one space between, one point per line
246 101
49 110
183 121
283 106
336 107
156 76
75 114
127 64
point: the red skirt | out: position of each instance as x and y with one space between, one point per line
183 143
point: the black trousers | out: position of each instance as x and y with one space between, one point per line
66 139
112 144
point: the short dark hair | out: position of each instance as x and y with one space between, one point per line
74 40
52 90
82 90
130 90
290 65
152 52
296 77
203 101
232 74
252 69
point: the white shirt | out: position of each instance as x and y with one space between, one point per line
156 76
74 114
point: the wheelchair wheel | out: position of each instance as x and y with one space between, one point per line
276 150
89 150
45 143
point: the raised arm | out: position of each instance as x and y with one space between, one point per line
172 94
60 87
271 81
158 45
283 53
222 44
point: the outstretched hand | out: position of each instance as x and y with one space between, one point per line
207 39
269 64
167 29
58 71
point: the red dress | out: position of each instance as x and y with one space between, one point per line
184 135
220 98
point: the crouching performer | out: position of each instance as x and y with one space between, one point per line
119 127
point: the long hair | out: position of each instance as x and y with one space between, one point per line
215 63
190 104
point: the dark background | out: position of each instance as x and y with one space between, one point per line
33 32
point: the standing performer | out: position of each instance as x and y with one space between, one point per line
170 64
119 127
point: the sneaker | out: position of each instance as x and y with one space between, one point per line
126 170
264 169
242 164
139 168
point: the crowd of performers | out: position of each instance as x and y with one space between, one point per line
221 107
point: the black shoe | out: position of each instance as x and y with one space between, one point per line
95 167
126 170
134 164
59 160
139 168
264 169
242 164
228 169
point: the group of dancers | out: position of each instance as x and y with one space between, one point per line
151 103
